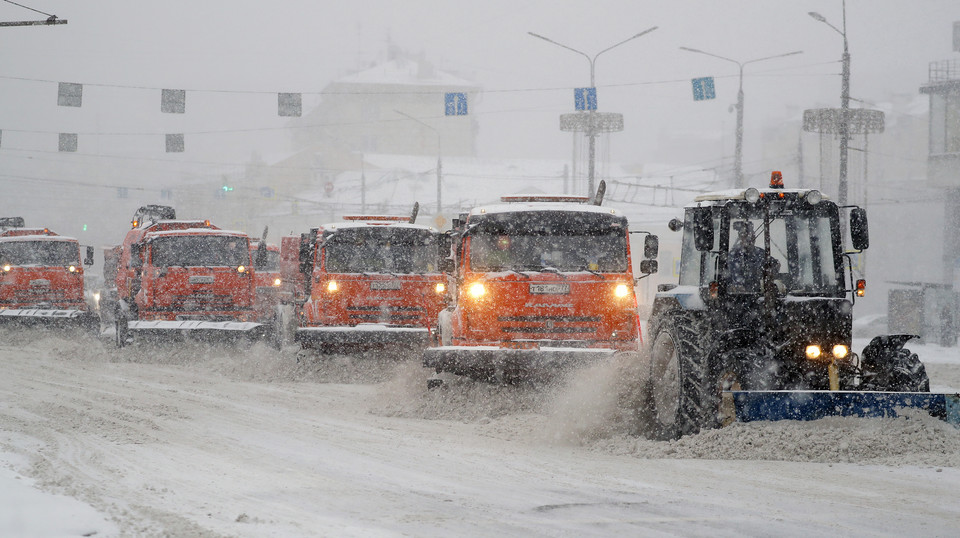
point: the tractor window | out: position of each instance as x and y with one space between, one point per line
199 251
690 258
563 241
815 264
43 253
381 250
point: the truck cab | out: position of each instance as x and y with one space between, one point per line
370 281
41 274
542 281
174 277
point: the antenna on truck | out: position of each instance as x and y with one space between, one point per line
601 190
416 209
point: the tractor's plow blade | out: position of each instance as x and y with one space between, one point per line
813 404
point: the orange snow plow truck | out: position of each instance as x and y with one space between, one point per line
41 277
542 283
176 278
370 281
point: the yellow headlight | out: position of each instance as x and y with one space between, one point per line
277 282
332 286
813 352
621 290
241 269
840 351
477 290
440 287
72 268
6 268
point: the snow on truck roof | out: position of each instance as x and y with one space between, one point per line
376 224
12 238
194 231
573 206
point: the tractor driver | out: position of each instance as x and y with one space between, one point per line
745 259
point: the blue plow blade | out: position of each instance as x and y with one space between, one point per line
754 405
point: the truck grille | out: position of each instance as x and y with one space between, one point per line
402 315
202 301
582 325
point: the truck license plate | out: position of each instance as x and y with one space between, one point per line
385 285
550 289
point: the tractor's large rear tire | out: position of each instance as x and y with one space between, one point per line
682 398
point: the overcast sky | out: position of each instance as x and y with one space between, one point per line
124 52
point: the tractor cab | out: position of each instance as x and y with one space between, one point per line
764 302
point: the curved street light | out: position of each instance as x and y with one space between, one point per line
738 156
844 127
592 133
439 153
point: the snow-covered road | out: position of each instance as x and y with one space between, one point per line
188 441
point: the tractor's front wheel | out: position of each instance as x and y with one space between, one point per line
678 389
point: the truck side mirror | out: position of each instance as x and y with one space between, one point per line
135 260
307 242
261 260
444 243
651 246
859 234
703 229
648 267
88 260
446 265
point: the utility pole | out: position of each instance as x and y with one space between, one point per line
844 121
738 156
594 125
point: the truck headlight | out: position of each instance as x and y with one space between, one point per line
477 290
72 268
6 268
621 290
332 286
813 351
277 282
840 351
440 287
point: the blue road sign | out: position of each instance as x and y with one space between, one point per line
703 89
585 98
455 104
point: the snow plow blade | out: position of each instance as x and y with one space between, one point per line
812 405
200 330
500 364
364 335
48 318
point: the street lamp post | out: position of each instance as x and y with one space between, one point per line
738 156
844 127
439 155
592 130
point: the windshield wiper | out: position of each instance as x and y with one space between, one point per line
548 269
591 271
499 268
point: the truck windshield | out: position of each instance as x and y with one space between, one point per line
376 249
199 251
801 249
39 253
539 240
